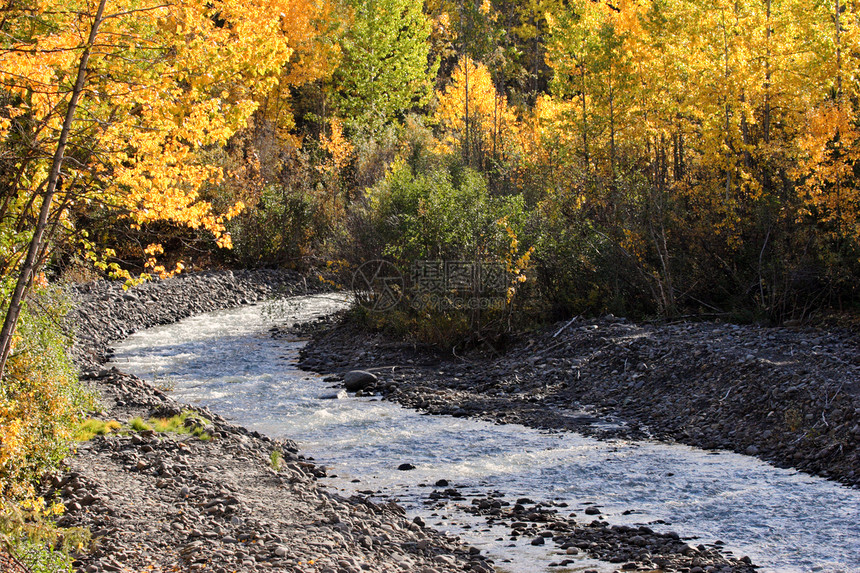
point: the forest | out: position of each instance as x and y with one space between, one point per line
654 159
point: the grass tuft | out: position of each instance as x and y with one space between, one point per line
187 423
90 428
138 425
276 460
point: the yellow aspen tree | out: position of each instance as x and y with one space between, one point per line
830 147
475 117
156 83
311 29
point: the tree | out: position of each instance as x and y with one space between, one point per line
156 84
385 69
830 147
476 117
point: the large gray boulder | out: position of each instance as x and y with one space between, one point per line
356 380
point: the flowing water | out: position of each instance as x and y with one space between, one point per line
228 361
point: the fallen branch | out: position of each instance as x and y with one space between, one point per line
569 322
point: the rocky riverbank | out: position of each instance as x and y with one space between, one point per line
229 500
788 396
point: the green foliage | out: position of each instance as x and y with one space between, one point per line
445 329
276 460
41 400
28 531
41 558
91 428
41 403
445 214
385 69
188 423
138 425
275 230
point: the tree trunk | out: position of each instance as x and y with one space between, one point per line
584 119
838 21
31 263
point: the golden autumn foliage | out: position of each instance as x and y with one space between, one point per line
337 147
833 150
311 29
695 135
474 116
112 108
726 84
164 82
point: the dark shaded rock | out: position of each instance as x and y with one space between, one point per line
356 380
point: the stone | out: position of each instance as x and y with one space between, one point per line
356 380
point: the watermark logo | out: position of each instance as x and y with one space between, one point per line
458 285
432 285
377 285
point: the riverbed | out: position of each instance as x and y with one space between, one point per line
229 362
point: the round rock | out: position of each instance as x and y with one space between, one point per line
356 380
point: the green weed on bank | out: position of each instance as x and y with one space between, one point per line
187 423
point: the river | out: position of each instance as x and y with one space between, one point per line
228 361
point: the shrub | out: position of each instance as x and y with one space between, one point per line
41 400
432 218
579 269
28 532
446 213
276 460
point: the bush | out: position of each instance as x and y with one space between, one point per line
446 214
428 223
28 532
580 270
41 400
41 405
286 226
